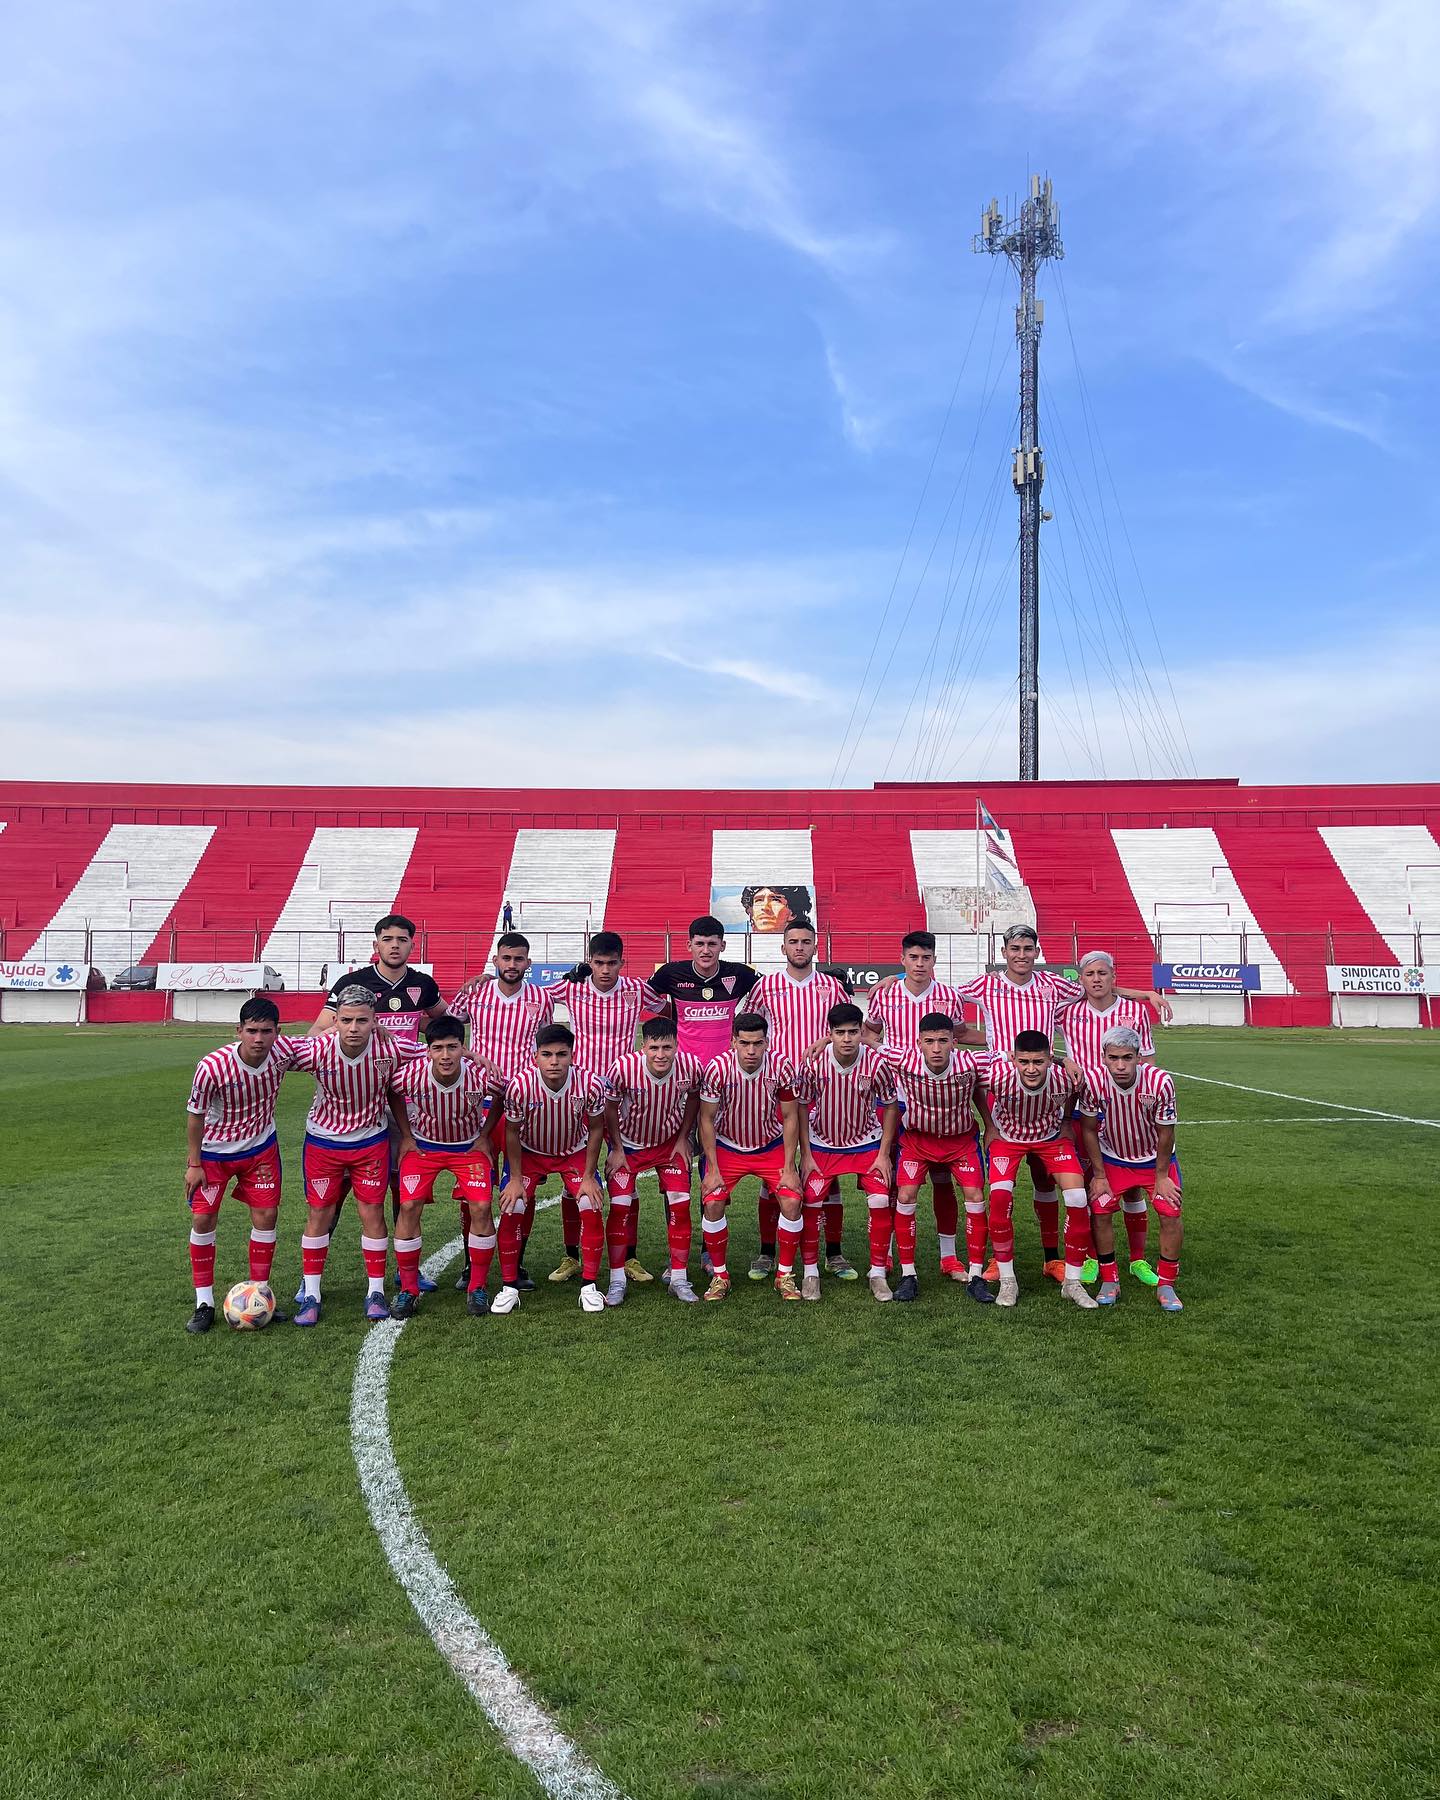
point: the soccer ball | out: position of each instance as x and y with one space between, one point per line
249 1306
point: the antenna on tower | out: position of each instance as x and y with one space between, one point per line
1031 237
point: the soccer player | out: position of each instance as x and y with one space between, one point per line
1127 1119
652 1100
447 1101
404 997
705 992
504 1016
849 1123
897 1005
1085 1023
1023 998
230 1136
942 1089
750 1125
1030 1096
347 1143
797 998
554 1125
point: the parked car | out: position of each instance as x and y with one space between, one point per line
139 975
273 980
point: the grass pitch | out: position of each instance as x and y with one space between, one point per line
749 1549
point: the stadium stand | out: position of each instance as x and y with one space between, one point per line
296 876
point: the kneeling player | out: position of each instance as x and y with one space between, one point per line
850 1121
1127 1116
1030 1095
652 1098
554 1125
750 1125
230 1136
942 1089
446 1100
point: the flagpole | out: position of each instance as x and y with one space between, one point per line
977 866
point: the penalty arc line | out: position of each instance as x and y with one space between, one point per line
530 1734
1372 1112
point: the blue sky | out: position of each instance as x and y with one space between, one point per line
396 393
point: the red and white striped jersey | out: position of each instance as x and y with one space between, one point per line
502 1026
1130 1118
236 1101
899 1012
943 1105
797 1010
605 1024
1084 1027
841 1103
748 1106
1029 1115
452 1117
651 1112
349 1104
1007 1008
554 1122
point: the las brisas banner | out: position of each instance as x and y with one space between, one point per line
1377 978
211 977
1206 978
43 974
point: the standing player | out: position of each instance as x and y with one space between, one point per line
446 1099
897 1005
849 1124
554 1125
750 1125
652 1100
705 993
797 999
1030 1097
347 1147
503 1016
1085 1023
230 1136
1127 1118
942 1089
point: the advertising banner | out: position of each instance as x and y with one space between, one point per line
1379 978
50 975
542 974
1206 978
860 976
213 977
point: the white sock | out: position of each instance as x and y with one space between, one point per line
376 1285
1007 1270
812 1268
947 1243
312 1286
205 1296
875 1270
973 1269
907 1268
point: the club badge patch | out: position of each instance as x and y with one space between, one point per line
321 1185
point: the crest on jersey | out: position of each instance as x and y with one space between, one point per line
395 1003
911 1170
728 983
321 1184
414 994
210 1194
410 1183
707 993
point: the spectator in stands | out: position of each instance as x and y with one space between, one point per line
507 917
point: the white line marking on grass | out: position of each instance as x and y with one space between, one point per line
1298 1119
1304 1100
530 1734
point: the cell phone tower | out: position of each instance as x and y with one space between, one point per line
1030 238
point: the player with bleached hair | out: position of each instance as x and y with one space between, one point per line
1127 1120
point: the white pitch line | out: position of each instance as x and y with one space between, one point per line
1304 1100
1296 1119
530 1734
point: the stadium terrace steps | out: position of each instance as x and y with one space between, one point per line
350 876
659 882
1394 871
1300 897
1083 900
39 865
780 856
558 883
123 896
1185 889
453 889
866 897
231 903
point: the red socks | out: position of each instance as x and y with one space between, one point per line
1047 1214
1168 1269
1002 1223
511 1232
834 1226
313 1251
679 1231
374 1250
788 1234
262 1253
810 1236
905 1235
592 1241
975 1235
1137 1229
716 1233
482 1255
881 1225
202 1249
407 1264
570 1223
617 1232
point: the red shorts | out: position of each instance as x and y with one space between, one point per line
921 1155
832 1163
673 1172
570 1169
735 1165
1057 1157
256 1176
333 1170
1122 1177
471 1169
